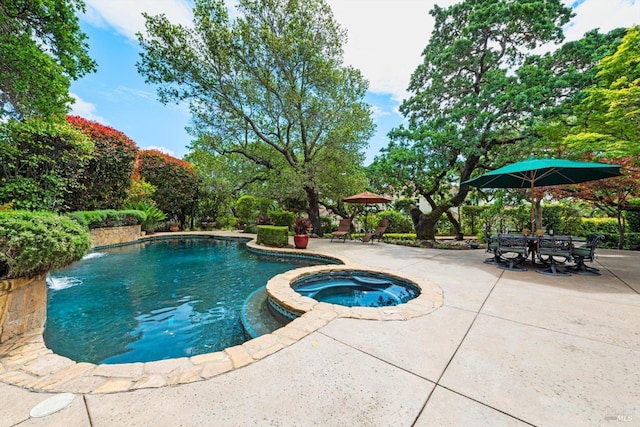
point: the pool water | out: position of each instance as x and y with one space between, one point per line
356 289
156 300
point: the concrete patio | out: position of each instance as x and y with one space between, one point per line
506 348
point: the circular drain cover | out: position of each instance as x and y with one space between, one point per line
51 405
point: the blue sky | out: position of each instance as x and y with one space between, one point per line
385 38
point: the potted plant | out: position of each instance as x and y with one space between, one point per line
173 226
301 229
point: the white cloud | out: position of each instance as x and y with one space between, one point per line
125 16
385 37
86 110
138 93
164 150
376 111
605 15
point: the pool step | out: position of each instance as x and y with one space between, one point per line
256 317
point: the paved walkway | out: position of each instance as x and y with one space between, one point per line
505 348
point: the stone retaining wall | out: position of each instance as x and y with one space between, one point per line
114 235
23 306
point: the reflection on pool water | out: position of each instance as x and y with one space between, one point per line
356 288
156 300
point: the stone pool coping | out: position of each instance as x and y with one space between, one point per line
26 362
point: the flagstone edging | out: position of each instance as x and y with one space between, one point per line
26 362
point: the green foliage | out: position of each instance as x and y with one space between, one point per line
271 235
152 215
605 121
139 191
398 222
403 205
562 218
247 209
267 89
105 180
41 50
632 242
600 225
175 180
327 224
32 243
471 100
472 218
108 218
633 217
282 217
226 222
40 161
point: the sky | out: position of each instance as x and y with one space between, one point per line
385 41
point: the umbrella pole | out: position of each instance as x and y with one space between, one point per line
533 210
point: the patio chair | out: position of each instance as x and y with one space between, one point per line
557 249
580 254
492 246
378 233
515 246
343 231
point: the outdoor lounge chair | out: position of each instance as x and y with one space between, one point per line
517 249
554 248
580 254
343 231
378 233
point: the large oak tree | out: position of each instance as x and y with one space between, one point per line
269 85
471 99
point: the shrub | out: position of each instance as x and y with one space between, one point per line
105 180
398 222
273 235
282 217
108 218
326 222
39 163
600 225
175 180
152 215
633 218
32 243
247 209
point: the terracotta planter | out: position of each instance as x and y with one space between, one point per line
301 241
174 228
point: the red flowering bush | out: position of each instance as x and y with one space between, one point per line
105 180
175 180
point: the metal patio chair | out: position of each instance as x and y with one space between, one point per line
557 250
580 254
512 252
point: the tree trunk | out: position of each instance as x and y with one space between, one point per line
456 225
313 210
425 224
621 227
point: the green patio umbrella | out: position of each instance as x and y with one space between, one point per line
533 173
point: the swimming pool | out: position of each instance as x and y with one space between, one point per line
156 300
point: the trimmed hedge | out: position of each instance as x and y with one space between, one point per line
282 217
108 218
273 235
32 243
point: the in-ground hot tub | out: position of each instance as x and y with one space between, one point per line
356 288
